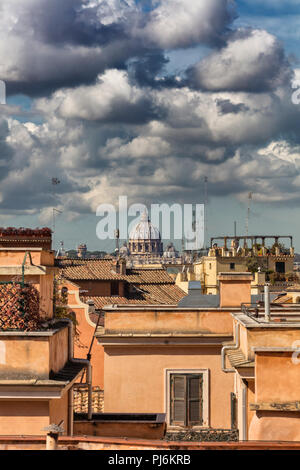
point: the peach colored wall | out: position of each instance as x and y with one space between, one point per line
244 340
23 417
281 337
24 357
58 411
165 321
31 356
58 350
233 293
275 426
82 344
134 379
13 258
277 378
250 399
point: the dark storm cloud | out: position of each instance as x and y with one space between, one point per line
49 45
6 151
227 107
149 70
118 122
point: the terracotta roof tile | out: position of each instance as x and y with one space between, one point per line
98 269
146 285
103 269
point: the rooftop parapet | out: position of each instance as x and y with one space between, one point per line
165 321
25 237
251 246
34 355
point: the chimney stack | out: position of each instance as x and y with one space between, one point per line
235 289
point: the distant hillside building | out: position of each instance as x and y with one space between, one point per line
274 263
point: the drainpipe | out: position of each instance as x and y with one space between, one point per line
70 411
267 303
244 412
244 390
227 347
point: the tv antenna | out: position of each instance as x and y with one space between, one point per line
248 213
55 182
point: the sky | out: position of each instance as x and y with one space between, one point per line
146 99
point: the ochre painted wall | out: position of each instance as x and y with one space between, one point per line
23 417
58 350
275 426
58 411
82 344
168 321
134 380
24 357
277 378
233 293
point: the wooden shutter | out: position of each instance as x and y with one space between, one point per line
194 399
178 400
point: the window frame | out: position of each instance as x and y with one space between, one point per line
205 397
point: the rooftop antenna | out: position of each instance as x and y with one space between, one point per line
205 210
248 213
117 237
55 182
53 223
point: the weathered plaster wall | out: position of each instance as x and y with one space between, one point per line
23 417
135 379
58 411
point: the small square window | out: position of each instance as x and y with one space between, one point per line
232 265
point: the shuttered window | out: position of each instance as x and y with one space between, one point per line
186 399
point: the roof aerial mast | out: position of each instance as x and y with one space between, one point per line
248 213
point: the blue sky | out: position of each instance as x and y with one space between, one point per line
114 98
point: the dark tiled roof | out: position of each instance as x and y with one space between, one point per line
68 373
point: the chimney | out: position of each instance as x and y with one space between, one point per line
122 262
119 266
235 289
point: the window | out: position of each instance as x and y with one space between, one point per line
280 267
232 265
186 399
